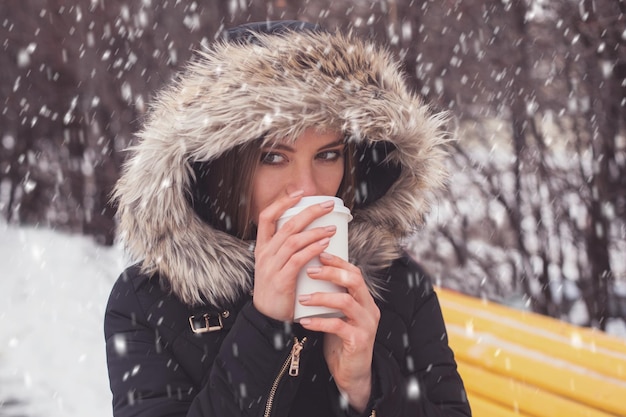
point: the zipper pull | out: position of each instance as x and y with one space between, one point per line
294 365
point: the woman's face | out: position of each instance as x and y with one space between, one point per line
313 164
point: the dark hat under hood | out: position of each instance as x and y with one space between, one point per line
275 80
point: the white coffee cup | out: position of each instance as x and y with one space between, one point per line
338 246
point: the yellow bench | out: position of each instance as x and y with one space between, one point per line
517 363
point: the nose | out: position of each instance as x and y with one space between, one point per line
303 178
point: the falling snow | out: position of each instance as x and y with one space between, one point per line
50 276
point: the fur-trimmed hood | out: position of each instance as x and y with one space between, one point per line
276 86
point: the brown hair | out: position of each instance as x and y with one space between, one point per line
222 191
347 188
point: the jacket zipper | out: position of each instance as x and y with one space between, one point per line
293 364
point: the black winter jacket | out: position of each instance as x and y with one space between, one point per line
160 367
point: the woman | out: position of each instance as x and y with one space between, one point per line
202 325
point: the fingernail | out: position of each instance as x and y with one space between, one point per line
296 194
327 204
305 321
326 256
324 241
313 270
330 228
304 297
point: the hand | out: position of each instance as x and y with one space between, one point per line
348 342
280 255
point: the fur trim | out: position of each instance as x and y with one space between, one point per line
279 87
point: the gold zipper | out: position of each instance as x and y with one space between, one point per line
293 363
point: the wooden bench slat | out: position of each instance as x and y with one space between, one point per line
516 396
535 368
485 407
578 336
545 356
589 355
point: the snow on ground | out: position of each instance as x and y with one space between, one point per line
53 292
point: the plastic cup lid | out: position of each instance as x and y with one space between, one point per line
317 199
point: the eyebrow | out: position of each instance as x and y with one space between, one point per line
282 146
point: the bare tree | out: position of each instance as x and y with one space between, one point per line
550 79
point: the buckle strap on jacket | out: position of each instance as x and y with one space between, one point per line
210 318
211 321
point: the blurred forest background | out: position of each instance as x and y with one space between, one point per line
535 214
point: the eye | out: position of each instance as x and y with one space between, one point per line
331 155
272 158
